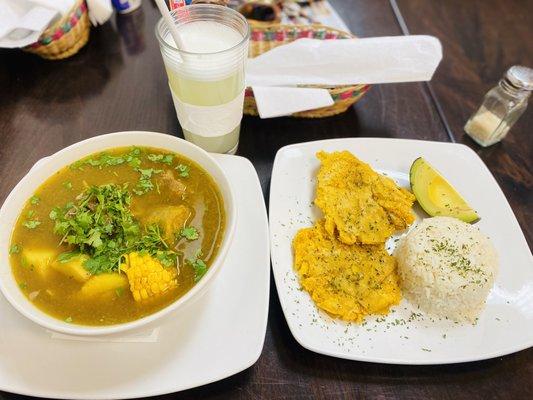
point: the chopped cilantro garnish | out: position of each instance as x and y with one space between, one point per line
35 200
102 226
30 214
134 160
145 184
23 285
198 265
32 224
101 215
161 158
152 238
53 214
15 249
183 170
68 320
189 233
67 185
167 258
66 256
148 172
106 160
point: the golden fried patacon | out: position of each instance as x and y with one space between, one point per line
346 281
360 205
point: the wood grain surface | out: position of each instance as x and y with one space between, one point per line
481 39
118 83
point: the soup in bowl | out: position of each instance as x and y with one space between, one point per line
114 232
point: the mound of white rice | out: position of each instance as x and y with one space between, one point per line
447 267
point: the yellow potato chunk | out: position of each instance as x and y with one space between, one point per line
38 260
73 268
103 284
171 219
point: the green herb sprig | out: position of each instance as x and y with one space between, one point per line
132 158
183 170
31 224
198 265
189 233
161 158
101 225
145 184
15 249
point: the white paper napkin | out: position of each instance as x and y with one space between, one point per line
280 101
347 61
23 21
99 11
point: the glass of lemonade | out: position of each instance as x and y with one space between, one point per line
206 77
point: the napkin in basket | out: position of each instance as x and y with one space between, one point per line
338 62
23 21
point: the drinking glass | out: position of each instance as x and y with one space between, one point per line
207 86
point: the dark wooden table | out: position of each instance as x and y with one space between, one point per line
118 83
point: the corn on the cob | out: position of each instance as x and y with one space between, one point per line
147 277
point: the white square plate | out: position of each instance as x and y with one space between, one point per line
217 336
405 336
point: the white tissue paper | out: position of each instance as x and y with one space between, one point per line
280 101
23 21
347 62
99 11
275 74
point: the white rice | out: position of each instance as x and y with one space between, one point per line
447 267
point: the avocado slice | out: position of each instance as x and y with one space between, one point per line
436 195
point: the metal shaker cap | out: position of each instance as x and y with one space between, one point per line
520 77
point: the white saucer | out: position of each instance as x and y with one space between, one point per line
406 335
219 335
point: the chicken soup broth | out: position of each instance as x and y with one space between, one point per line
117 235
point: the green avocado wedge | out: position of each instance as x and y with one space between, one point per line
436 195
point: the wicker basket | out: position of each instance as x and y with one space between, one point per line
266 37
66 36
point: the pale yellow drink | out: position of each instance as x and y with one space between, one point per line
207 81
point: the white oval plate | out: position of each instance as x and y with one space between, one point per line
406 336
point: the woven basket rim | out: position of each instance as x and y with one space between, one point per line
313 27
52 28
50 31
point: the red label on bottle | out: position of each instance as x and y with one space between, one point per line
179 5
173 4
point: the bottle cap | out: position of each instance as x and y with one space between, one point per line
520 77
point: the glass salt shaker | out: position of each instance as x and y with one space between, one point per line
501 107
